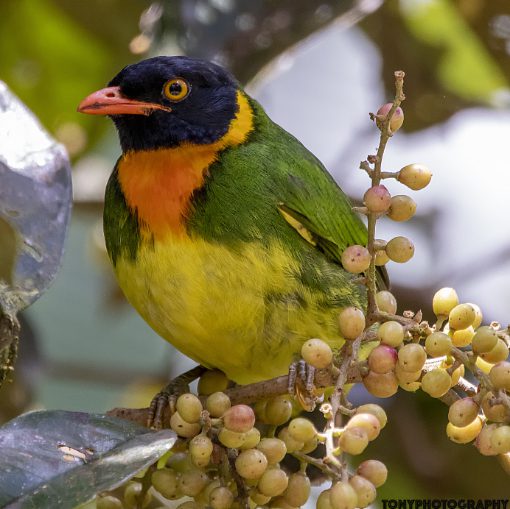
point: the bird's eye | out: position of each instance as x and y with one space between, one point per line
176 89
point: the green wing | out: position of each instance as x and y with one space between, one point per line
313 203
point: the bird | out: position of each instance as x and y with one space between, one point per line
225 233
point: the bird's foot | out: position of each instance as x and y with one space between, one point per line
167 397
301 377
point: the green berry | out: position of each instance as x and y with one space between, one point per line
462 412
461 316
189 407
444 301
251 464
438 344
415 176
465 434
391 333
386 302
351 322
400 249
317 353
402 208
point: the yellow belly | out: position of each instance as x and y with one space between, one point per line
243 312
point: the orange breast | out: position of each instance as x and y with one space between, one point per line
158 184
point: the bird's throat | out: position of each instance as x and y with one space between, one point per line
158 184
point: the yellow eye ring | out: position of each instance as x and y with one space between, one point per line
176 89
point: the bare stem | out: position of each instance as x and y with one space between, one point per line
375 174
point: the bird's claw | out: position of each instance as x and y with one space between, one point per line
167 397
301 384
163 400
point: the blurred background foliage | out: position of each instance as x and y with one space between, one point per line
318 67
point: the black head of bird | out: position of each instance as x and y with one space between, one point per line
162 102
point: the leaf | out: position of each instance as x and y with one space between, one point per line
61 459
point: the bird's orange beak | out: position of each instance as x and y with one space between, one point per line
109 101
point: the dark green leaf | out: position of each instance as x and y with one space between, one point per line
62 459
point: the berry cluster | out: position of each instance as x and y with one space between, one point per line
227 453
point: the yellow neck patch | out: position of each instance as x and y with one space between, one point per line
158 184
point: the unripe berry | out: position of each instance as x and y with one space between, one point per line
391 333
369 422
500 375
381 258
500 439
251 464
251 439
189 407
400 249
317 353
405 377
364 489
410 386
278 410
193 482
217 404
493 411
291 443
180 462
415 176
484 440
402 208
239 418
273 482
374 471
465 434
461 316
478 313
444 301
376 411
438 344
462 412
381 385
221 498
259 498
457 374
132 495
382 359
355 259
386 302
436 382
353 440
484 340
397 119
298 490
201 448
462 337
324 501
343 496
412 357
351 322
498 354
310 446
212 381
231 439
302 429
182 427
273 448
377 199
